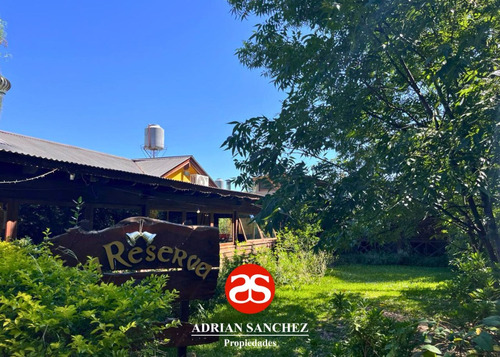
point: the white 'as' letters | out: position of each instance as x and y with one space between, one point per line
250 285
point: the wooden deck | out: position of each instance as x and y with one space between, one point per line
228 250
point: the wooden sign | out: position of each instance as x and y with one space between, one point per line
139 246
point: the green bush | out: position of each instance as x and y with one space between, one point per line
471 327
367 331
47 309
473 272
475 291
293 261
479 339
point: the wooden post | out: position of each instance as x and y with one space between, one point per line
234 227
145 210
89 216
12 217
212 224
261 232
182 351
183 219
240 225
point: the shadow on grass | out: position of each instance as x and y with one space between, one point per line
430 301
411 303
388 273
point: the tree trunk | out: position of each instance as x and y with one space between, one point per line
492 234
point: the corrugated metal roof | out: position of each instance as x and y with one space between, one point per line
40 148
160 165
45 149
152 168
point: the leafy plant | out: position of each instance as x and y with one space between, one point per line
49 309
368 332
476 292
475 288
294 260
480 339
77 211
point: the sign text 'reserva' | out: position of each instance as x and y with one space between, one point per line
116 252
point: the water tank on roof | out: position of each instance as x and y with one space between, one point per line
154 138
220 183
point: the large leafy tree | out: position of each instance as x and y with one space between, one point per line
391 114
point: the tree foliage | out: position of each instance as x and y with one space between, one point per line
391 114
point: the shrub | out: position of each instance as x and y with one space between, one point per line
47 309
293 261
480 339
472 272
476 293
368 332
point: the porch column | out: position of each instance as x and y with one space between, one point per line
89 216
12 217
145 210
234 226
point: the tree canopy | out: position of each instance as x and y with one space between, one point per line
391 114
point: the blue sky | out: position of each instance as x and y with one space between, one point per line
94 74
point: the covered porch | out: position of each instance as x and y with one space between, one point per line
50 177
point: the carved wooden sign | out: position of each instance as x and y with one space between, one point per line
139 246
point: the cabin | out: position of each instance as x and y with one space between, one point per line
262 185
36 174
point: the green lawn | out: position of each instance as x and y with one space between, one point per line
402 291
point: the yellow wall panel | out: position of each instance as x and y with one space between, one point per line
179 175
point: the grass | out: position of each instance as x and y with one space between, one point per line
402 291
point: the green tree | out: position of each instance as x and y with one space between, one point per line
391 109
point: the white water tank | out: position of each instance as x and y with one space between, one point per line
154 138
220 183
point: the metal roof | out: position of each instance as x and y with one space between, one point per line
140 170
160 165
25 145
45 149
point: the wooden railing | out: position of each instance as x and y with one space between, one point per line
228 250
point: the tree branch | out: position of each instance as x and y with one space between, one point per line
380 96
408 77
